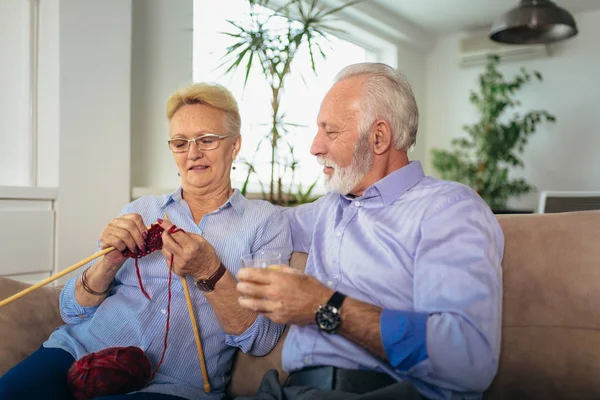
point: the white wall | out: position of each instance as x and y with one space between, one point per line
413 64
84 137
561 156
15 93
48 94
161 63
94 117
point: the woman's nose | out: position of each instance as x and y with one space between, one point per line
194 153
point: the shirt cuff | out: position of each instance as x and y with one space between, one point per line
404 336
259 338
70 301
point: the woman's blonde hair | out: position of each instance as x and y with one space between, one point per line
212 94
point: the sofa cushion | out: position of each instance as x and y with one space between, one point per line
27 322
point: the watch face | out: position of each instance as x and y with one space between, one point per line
204 286
328 318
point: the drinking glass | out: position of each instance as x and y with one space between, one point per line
262 259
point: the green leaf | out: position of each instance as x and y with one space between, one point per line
338 9
248 68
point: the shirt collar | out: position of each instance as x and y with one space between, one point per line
394 185
236 200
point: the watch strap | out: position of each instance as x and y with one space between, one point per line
214 278
336 300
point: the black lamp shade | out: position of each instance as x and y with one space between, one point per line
534 22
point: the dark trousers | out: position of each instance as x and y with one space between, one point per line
43 375
270 389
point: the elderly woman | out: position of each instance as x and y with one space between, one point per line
105 306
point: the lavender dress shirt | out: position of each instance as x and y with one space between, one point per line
428 252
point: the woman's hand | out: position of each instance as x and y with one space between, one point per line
192 254
125 232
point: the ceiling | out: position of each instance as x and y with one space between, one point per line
445 16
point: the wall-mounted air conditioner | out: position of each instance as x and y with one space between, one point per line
475 49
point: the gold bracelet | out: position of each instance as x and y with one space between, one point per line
90 290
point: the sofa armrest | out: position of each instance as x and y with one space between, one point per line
27 322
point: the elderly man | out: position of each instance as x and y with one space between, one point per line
402 293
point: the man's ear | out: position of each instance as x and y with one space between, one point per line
382 137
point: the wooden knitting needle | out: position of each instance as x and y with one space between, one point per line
56 276
188 300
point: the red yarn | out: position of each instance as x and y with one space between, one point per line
168 319
116 370
153 243
120 370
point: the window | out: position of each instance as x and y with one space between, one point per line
303 90
16 113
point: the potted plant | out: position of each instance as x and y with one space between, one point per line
270 43
493 146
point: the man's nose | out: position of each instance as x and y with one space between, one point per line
317 147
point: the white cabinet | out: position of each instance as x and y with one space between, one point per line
26 233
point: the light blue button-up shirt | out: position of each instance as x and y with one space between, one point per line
428 252
127 318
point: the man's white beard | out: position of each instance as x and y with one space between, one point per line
344 179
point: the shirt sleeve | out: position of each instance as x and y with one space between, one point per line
452 337
262 336
302 221
70 310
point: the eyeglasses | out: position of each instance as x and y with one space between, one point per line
209 141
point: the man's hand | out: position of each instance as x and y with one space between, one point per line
283 294
193 255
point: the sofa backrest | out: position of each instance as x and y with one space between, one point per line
550 324
551 311
551 307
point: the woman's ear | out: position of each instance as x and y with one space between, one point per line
382 137
237 145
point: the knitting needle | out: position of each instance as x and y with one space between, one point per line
188 300
56 276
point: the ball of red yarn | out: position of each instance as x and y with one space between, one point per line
116 370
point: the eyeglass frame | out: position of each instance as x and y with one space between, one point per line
214 135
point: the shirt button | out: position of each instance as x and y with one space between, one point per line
307 360
357 203
336 276
330 283
338 233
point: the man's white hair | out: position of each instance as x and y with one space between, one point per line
387 95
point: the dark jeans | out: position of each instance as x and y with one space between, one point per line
43 375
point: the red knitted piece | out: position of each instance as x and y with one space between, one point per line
153 243
120 370
116 370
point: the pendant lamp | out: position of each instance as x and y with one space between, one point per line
534 22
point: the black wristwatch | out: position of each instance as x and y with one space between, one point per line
327 316
208 285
